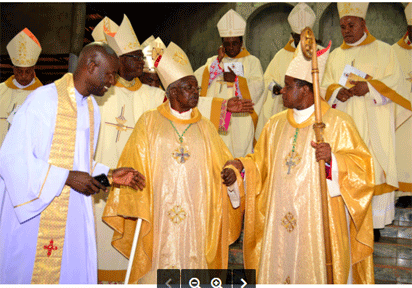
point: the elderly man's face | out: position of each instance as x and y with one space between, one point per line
352 28
292 94
24 75
187 93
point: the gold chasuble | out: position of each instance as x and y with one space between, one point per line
53 219
283 222
188 219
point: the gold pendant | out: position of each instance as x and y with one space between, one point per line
181 155
292 159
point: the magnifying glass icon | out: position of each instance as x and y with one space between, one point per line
216 283
194 283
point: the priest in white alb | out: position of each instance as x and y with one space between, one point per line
283 236
300 17
403 49
47 226
24 50
363 78
233 77
188 217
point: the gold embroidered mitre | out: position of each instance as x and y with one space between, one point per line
147 41
231 25
24 49
408 13
124 40
300 17
357 9
301 68
106 26
152 50
173 65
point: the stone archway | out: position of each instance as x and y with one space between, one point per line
268 31
385 21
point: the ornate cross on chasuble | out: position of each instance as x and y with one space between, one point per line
121 120
50 241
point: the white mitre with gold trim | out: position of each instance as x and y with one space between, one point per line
173 65
124 40
152 50
231 25
147 41
106 26
357 9
408 14
300 17
24 49
301 68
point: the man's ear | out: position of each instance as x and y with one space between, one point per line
91 66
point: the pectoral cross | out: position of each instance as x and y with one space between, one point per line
182 154
290 163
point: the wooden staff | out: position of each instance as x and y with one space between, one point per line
308 44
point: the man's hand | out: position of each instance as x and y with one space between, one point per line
229 76
237 105
360 88
344 94
129 177
83 183
228 175
220 53
322 151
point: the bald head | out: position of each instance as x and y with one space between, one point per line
96 69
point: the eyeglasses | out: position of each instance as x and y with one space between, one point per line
137 57
189 88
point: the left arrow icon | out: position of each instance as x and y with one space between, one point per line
167 283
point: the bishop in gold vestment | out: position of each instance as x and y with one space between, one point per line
188 219
283 237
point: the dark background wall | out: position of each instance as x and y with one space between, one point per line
64 28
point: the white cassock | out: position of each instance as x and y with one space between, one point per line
23 169
373 114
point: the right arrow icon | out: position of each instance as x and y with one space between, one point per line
244 283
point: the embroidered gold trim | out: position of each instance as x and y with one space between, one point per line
289 222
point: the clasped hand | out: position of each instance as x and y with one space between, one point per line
360 88
85 184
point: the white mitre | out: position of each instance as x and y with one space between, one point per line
152 50
301 68
123 40
106 26
173 65
147 41
24 49
300 17
231 25
408 14
357 9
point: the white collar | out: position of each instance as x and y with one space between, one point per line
18 85
183 116
359 41
303 115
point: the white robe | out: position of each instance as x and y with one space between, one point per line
241 131
374 121
10 101
23 168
